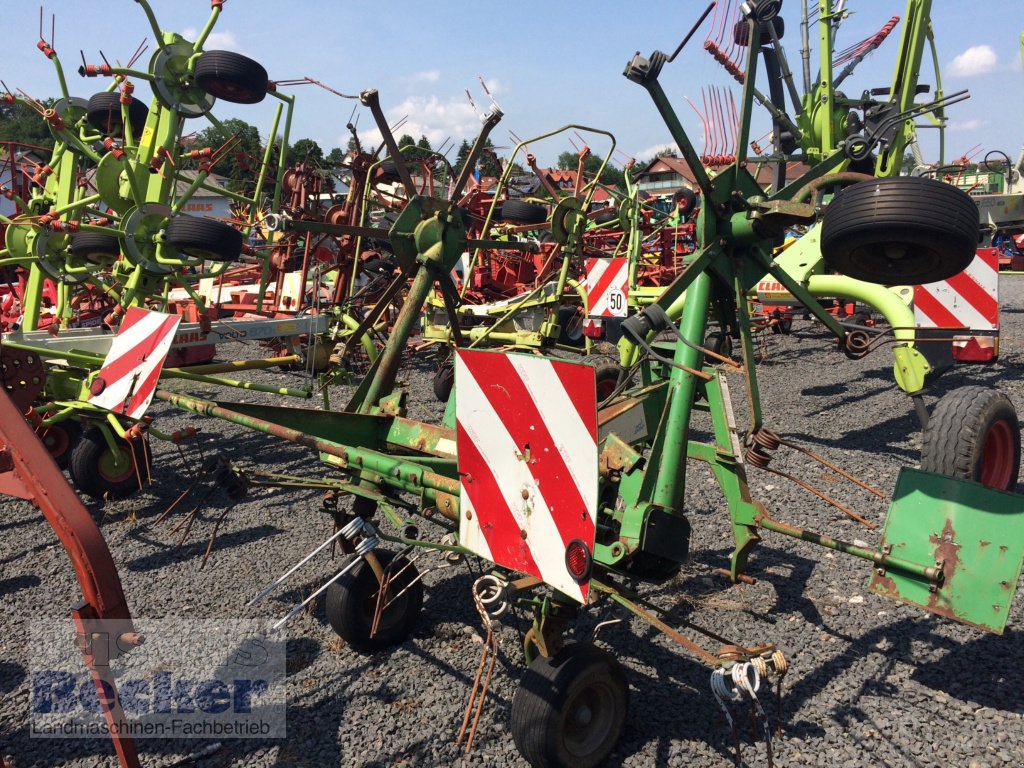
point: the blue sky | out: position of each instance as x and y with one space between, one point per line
547 64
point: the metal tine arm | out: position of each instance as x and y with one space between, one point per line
363 548
349 531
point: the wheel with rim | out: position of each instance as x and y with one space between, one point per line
606 374
103 112
352 601
203 238
973 433
232 77
59 439
523 213
570 324
443 382
741 32
570 710
905 230
95 247
99 473
719 343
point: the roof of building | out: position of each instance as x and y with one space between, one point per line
762 171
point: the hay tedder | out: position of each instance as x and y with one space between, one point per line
578 499
572 502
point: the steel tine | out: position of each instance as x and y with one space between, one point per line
348 531
366 545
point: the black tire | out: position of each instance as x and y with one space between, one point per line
443 382
388 170
605 215
523 213
204 238
232 77
95 247
89 465
720 343
104 114
973 434
570 324
606 374
686 199
741 36
352 600
900 231
60 439
570 710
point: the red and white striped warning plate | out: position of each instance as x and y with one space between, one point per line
968 300
127 380
527 444
607 287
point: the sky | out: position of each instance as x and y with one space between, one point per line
546 64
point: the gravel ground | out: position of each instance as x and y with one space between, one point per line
872 682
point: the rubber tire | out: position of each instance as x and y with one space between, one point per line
232 77
605 215
543 704
443 382
103 112
524 213
686 208
606 374
720 343
84 466
203 238
59 439
388 170
740 36
95 247
930 229
570 324
351 601
959 437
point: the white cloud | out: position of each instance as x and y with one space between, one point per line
966 126
427 76
217 41
976 60
649 152
429 116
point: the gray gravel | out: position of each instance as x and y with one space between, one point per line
871 683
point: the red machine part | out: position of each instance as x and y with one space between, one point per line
28 472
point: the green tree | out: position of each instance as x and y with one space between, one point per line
241 163
461 155
335 156
423 149
305 151
23 125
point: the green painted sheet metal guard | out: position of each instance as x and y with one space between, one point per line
975 534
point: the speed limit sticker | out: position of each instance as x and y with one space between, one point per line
608 287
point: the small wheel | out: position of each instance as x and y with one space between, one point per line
388 170
569 710
232 77
97 472
686 199
95 247
352 600
570 323
104 114
606 375
741 34
905 230
973 434
203 238
781 324
605 215
523 213
59 439
443 382
720 343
